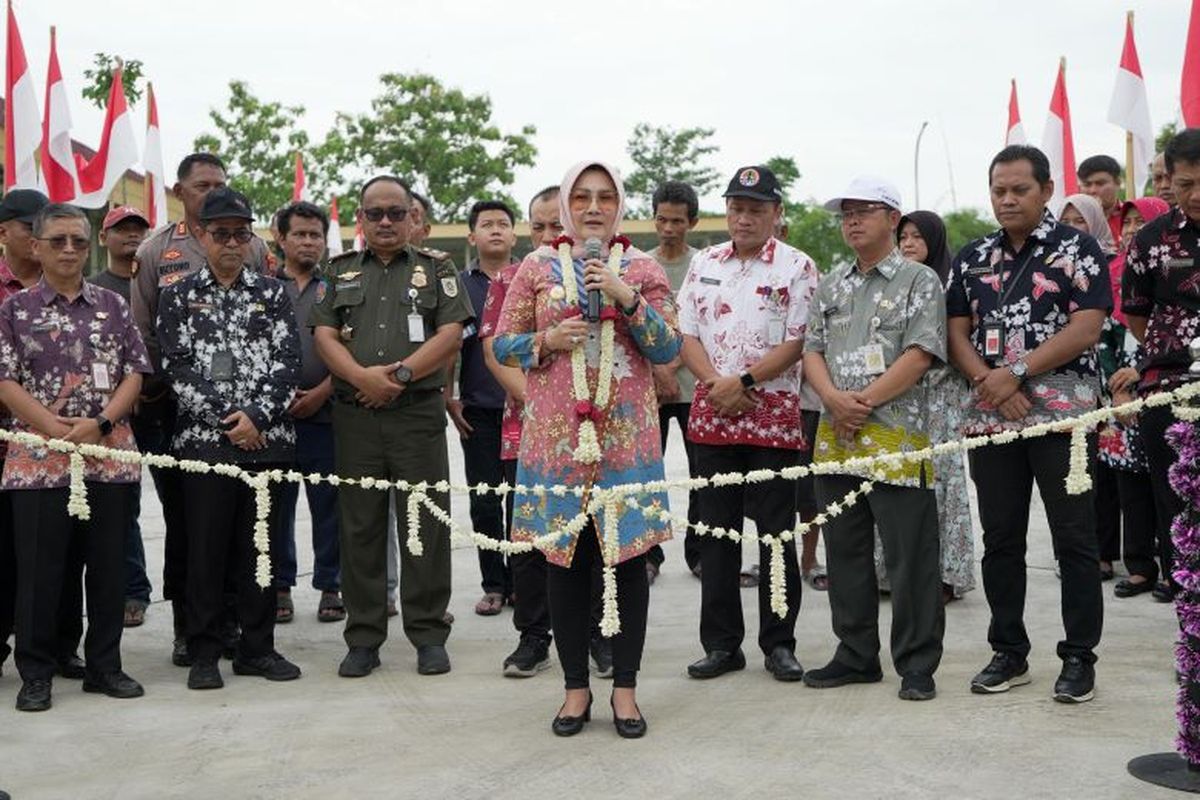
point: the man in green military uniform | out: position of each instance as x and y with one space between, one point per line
390 321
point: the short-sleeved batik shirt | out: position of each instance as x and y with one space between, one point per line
1059 271
861 322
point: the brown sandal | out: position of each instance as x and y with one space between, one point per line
135 613
490 604
331 608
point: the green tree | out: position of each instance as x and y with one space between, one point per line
258 142
665 154
966 225
786 172
1165 134
440 138
817 232
100 77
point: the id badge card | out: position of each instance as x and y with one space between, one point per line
416 328
222 366
101 377
774 332
873 359
993 339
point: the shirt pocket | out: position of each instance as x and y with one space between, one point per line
348 303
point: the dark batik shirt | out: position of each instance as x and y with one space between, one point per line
9 285
70 355
477 387
1162 283
1059 271
252 319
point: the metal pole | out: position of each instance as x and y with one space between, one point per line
917 167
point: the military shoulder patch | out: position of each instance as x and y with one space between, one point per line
450 287
436 255
343 256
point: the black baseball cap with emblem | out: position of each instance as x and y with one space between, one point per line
225 203
22 205
756 183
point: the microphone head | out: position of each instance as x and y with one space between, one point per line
593 247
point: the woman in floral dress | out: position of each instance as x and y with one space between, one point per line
602 436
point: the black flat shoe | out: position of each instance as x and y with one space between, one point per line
569 726
783 665
73 668
634 728
1163 592
1127 588
114 684
34 695
717 663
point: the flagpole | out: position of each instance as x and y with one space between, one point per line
147 180
1132 190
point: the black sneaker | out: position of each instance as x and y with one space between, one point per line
1002 673
34 695
835 674
601 651
273 667
72 667
1076 682
531 657
114 684
917 686
179 653
205 675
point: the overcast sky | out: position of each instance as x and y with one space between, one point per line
842 87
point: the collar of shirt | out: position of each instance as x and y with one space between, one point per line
473 267
1180 220
246 277
403 254
886 268
48 293
1040 234
766 254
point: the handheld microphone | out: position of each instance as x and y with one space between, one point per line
591 249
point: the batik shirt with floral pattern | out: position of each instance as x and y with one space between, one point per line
1162 284
9 285
252 319
1064 271
895 306
56 349
740 310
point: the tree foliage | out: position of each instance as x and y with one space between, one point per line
786 172
258 142
440 138
817 232
100 77
665 154
966 225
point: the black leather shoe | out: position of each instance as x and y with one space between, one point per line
273 667
836 673
34 696
359 662
432 659
1128 588
783 665
1163 592
179 653
205 675
72 668
634 728
917 686
569 726
717 663
114 684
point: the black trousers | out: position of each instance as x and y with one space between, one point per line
772 506
691 542
43 544
531 609
1107 498
1140 520
8 572
481 460
571 610
907 521
1160 456
220 534
1004 475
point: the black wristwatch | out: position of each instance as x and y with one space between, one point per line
747 380
105 424
403 375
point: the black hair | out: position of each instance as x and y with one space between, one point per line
53 211
488 205
303 208
185 166
1023 152
542 196
425 205
1184 146
677 192
1093 164
382 179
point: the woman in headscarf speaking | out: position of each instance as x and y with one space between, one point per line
591 422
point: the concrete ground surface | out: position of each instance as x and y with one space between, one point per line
475 734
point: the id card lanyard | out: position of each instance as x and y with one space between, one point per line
993 329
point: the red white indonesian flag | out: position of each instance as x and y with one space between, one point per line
58 161
1058 143
1016 131
334 240
152 163
298 183
1130 109
117 152
22 124
1189 85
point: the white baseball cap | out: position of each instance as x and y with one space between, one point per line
870 189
